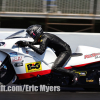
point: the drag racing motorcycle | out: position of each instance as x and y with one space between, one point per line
22 65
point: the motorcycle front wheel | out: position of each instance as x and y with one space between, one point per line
6 73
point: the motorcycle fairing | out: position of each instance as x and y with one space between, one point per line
75 62
27 55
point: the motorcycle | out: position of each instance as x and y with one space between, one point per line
23 65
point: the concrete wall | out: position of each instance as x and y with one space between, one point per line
73 39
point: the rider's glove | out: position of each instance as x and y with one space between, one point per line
22 44
25 43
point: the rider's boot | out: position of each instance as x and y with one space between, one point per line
74 76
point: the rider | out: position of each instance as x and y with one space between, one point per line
61 49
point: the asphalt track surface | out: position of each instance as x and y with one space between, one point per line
73 39
50 95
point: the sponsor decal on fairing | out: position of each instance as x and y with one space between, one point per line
13 54
33 67
17 58
18 64
96 55
81 73
89 80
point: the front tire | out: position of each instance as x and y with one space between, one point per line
6 73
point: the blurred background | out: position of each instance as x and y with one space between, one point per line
53 15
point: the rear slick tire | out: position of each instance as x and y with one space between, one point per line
8 75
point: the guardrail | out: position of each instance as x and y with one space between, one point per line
50 6
72 9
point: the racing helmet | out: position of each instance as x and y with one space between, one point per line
35 31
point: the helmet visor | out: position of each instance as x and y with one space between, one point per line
33 35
